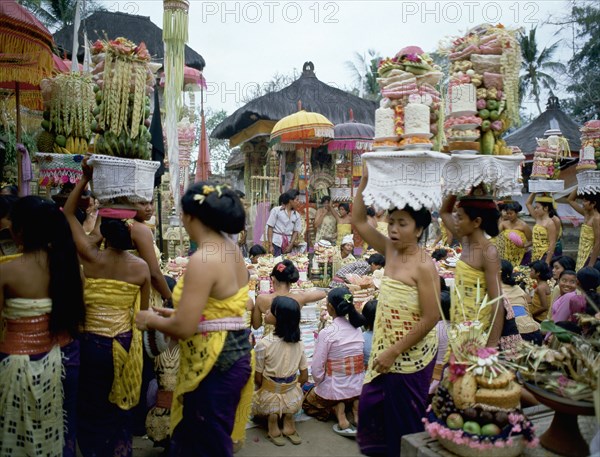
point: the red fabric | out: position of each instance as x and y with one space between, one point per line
203 163
113 213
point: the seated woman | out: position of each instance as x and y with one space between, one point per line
284 274
518 299
41 309
117 285
255 253
279 357
562 308
338 363
344 253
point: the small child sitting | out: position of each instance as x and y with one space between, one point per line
279 357
368 312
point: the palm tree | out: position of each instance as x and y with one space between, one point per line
56 14
364 72
536 67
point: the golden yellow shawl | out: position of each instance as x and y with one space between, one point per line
586 244
111 307
342 231
398 311
8 258
510 251
540 242
200 352
466 307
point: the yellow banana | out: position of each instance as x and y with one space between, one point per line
85 146
75 146
65 151
55 149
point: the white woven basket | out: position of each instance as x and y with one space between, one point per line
118 177
588 182
401 178
56 169
340 194
546 185
502 173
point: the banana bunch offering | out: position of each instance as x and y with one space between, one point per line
69 101
122 105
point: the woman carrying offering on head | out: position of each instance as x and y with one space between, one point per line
545 233
477 273
210 302
589 238
394 396
117 285
325 222
343 219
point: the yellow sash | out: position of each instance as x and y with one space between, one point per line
111 309
586 244
466 307
200 352
342 231
398 311
511 252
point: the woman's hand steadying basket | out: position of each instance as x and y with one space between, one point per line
88 171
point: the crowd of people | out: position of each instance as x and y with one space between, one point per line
77 301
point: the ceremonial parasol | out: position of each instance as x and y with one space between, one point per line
305 130
25 55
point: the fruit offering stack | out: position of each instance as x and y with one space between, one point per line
124 82
410 73
68 105
483 94
548 154
589 156
477 403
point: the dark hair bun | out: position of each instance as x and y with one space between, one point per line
221 209
285 271
116 233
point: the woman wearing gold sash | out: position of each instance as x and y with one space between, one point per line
516 234
589 239
214 376
343 219
478 270
394 396
117 285
545 233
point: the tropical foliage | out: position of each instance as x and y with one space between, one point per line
538 67
363 68
56 14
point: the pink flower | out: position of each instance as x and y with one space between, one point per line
412 58
514 418
499 443
535 442
516 428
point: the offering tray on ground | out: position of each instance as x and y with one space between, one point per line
563 436
588 182
400 178
57 169
501 172
546 185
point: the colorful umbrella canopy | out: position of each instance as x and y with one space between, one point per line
190 76
302 128
352 136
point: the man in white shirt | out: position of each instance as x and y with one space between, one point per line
284 225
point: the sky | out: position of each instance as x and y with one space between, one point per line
245 43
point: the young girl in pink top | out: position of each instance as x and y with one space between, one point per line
338 363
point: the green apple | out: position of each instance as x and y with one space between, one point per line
492 104
484 113
472 428
485 125
494 115
490 430
454 421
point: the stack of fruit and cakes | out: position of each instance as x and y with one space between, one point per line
476 406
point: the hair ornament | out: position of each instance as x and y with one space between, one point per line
280 267
200 198
348 298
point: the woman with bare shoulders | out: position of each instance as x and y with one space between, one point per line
41 309
284 274
516 234
404 339
117 285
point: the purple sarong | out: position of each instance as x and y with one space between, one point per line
391 406
103 428
209 413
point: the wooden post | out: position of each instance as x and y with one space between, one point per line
18 135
